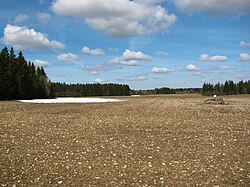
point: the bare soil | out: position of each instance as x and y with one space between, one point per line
172 140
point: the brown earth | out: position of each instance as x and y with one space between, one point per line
172 140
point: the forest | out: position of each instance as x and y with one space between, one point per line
165 90
20 79
83 90
228 88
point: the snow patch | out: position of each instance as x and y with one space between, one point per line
72 100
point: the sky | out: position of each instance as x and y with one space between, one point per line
143 43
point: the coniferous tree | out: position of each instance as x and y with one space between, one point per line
62 89
19 79
4 58
228 88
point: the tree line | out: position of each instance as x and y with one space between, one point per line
166 90
228 88
78 90
20 79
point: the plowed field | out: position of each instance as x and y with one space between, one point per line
172 140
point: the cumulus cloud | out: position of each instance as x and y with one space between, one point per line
244 44
98 52
43 17
21 18
25 38
67 57
142 77
98 80
41 63
131 58
122 61
205 57
122 19
161 53
135 55
244 57
191 67
95 69
139 77
161 70
238 7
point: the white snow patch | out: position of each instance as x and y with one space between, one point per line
72 100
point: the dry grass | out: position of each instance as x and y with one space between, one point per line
173 140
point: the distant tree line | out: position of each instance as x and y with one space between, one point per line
165 90
77 90
20 79
228 88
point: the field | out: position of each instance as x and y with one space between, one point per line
172 140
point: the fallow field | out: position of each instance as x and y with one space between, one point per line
170 140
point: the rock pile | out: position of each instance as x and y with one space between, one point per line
215 101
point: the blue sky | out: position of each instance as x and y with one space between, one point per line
143 43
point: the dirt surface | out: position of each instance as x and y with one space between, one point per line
173 140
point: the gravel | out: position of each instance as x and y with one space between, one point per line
172 140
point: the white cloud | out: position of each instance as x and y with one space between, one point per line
41 63
122 61
21 18
161 70
205 57
131 58
98 80
192 67
25 38
142 77
43 17
161 53
238 7
244 57
93 72
122 19
98 52
67 57
135 55
95 68
138 77
244 44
